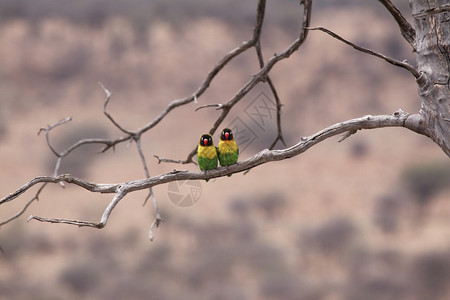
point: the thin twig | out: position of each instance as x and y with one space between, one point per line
401 64
121 192
50 127
275 95
406 28
142 156
347 135
167 160
65 221
217 106
277 100
156 223
59 155
35 198
151 194
147 174
47 130
108 98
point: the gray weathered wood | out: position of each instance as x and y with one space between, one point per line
432 26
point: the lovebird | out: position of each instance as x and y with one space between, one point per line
227 149
206 153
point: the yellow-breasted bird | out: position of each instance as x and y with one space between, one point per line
206 153
227 149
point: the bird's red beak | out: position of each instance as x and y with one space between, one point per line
205 142
227 135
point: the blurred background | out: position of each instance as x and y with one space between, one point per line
367 218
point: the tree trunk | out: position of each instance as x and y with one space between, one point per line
432 25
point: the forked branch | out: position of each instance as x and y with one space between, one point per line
263 74
398 119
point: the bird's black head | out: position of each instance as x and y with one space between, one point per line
206 140
226 135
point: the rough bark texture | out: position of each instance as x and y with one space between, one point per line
432 26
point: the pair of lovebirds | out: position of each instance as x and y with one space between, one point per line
226 153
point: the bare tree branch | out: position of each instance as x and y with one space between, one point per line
20 213
65 221
401 64
120 193
279 136
168 160
158 218
47 130
406 28
262 75
136 136
398 119
347 135
49 144
108 98
212 74
217 106
156 223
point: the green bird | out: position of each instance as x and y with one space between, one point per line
206 153
227 149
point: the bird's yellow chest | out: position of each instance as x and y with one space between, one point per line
207 151
227 146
